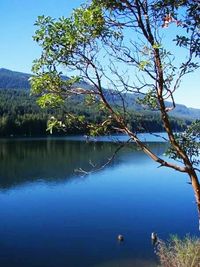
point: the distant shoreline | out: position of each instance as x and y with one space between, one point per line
145 137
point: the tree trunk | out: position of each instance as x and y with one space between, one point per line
196 188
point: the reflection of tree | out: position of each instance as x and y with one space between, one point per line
51 160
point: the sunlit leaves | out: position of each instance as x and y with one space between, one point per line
157 46
143 64
50 99
149 100
111 5
89 21
68 122
190 142
96 129
76 43
47 81
61 39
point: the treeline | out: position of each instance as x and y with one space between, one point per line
21 116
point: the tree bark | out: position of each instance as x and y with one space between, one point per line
196 188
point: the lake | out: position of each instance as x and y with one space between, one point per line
52 216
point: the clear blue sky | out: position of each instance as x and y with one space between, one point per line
17 49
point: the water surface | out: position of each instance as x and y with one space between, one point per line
51 216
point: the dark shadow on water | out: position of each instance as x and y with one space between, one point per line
24 161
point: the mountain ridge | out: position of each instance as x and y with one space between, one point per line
18 80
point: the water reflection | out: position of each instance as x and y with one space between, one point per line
23 161
50 217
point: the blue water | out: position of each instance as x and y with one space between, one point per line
51 216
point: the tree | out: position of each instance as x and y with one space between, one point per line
118 44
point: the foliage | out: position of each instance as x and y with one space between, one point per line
189 141
149 100
20 115
118 43
177 252
190 21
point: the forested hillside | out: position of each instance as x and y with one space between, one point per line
14 80
21 116
17 80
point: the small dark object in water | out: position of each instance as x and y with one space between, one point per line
120 238
154 237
